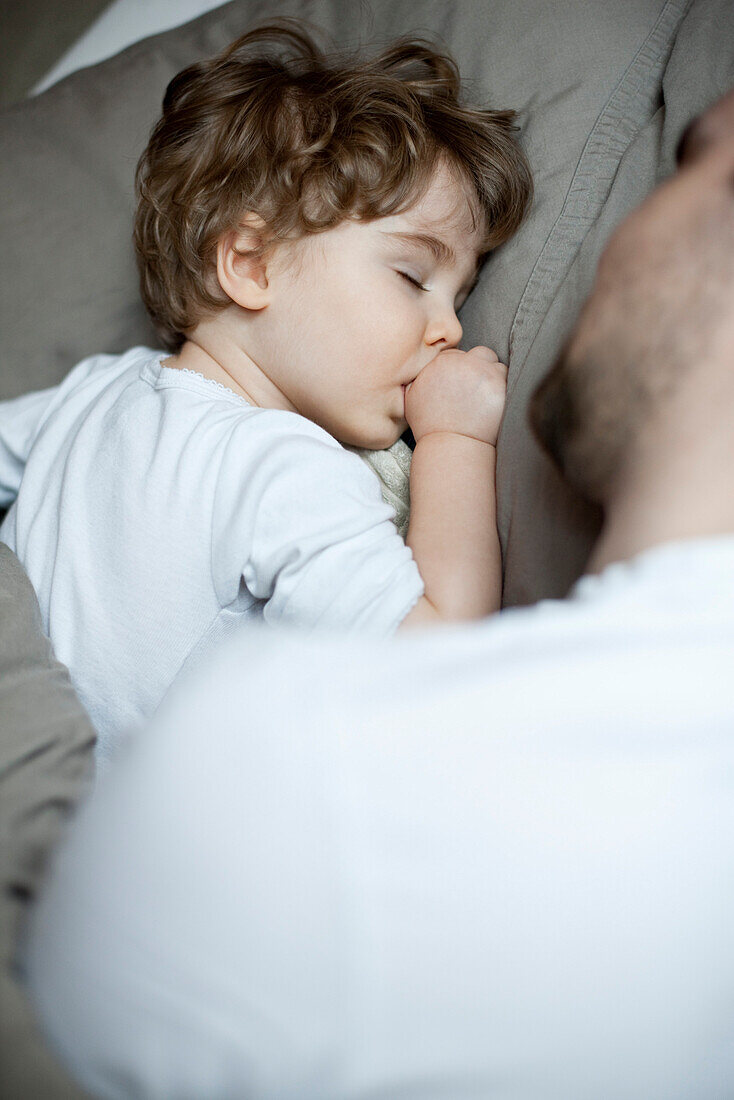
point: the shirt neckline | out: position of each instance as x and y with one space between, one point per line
689 556
170 375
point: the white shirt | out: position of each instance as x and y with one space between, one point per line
488 861
156 508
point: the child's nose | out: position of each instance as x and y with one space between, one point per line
444 329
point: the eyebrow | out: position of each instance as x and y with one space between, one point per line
440 249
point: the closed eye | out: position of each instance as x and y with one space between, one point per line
412 280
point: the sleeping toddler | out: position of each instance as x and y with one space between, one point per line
307 228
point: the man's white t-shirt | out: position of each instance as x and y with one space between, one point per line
156 508
489 860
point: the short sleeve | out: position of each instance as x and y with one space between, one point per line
19 420
22 418
301 521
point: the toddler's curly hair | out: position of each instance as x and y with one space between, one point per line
306 140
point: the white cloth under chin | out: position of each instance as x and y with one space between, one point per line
392 467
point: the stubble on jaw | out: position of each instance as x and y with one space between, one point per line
658 319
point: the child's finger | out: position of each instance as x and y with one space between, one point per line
497 370
485 353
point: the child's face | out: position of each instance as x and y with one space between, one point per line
346 330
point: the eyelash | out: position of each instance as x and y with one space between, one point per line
419 286
414 282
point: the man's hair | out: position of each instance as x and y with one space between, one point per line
305 141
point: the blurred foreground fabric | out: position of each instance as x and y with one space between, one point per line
488 861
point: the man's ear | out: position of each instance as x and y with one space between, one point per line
240 268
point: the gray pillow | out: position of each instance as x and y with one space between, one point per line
46 747
587 79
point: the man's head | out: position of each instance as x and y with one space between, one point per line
299 142
660 318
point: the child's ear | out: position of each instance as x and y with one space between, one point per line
240 268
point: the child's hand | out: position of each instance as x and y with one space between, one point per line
458 391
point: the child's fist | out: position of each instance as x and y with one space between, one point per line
458 391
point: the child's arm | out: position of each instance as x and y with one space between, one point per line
454 408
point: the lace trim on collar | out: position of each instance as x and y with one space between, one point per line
213 382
